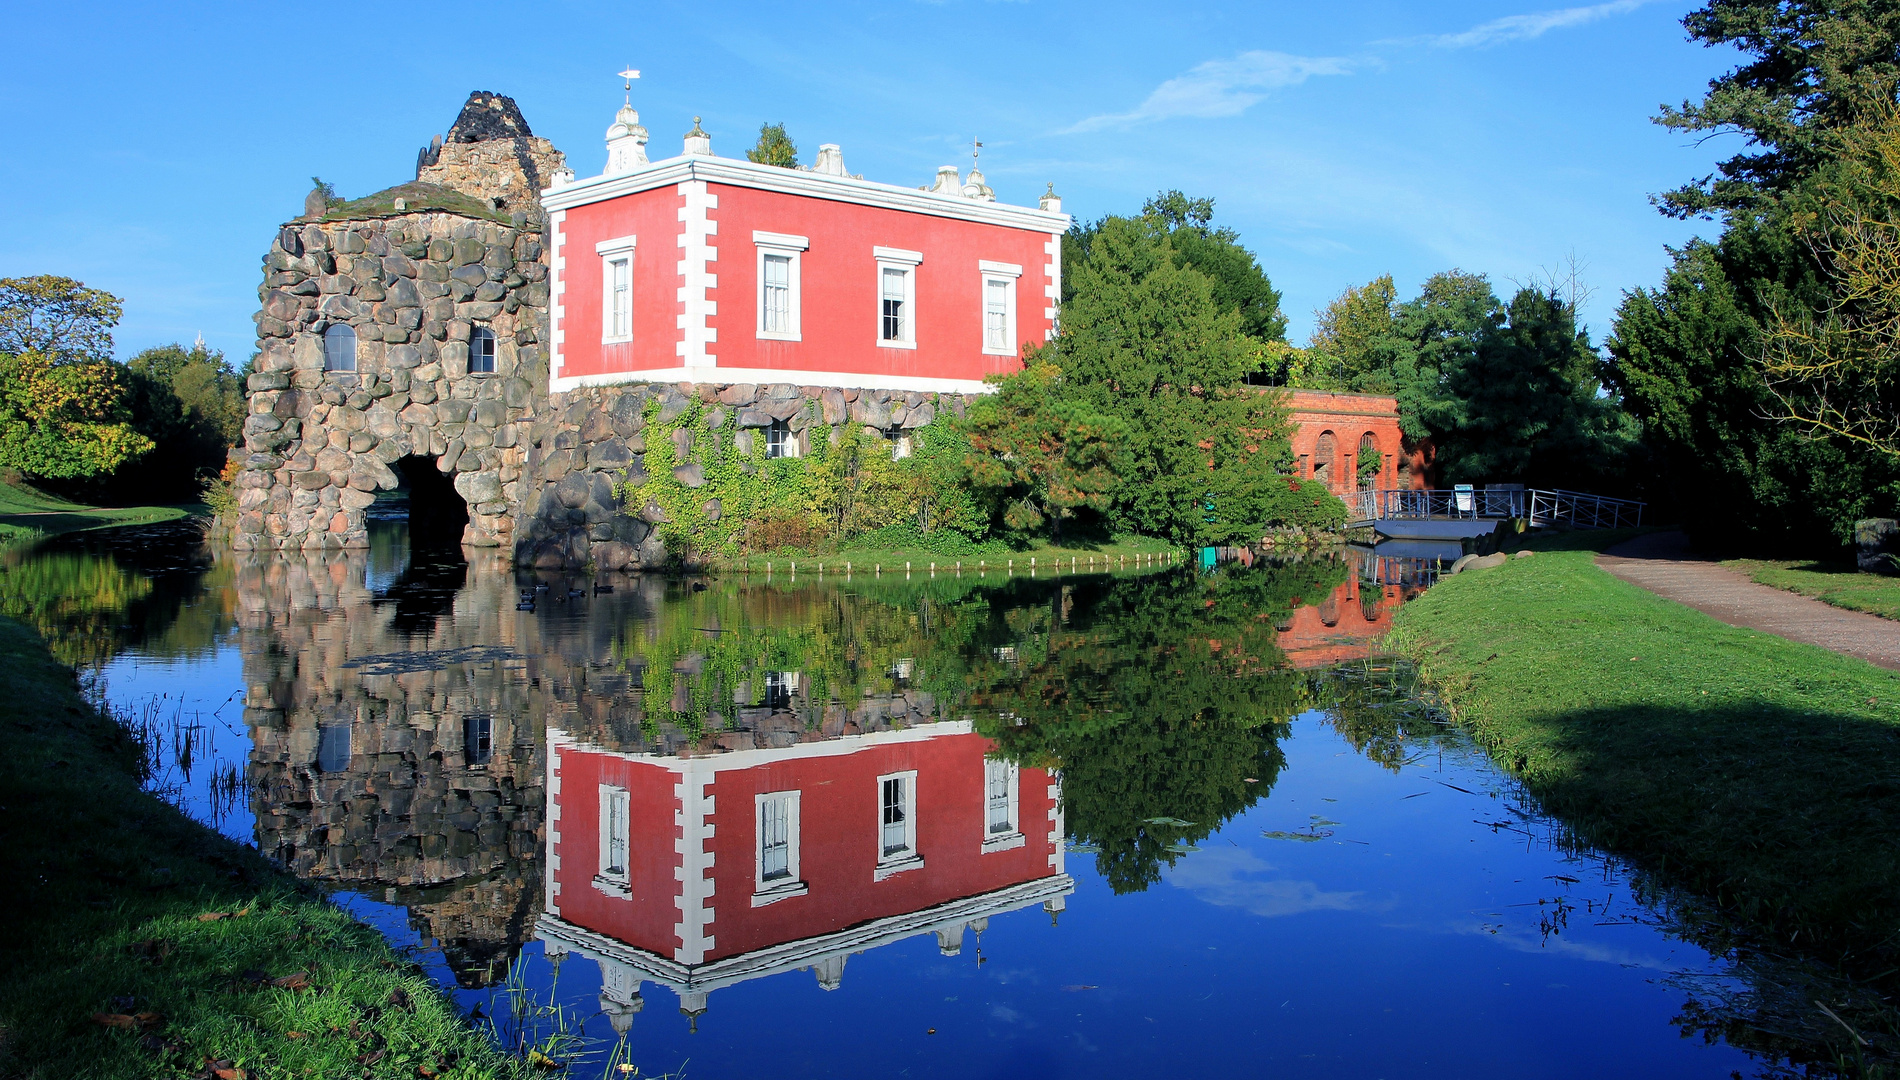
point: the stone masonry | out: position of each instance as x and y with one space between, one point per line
414 271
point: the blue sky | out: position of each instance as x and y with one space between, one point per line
153 150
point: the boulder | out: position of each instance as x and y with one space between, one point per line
693 476
573 490
653 514
478 487
1877 546
610 454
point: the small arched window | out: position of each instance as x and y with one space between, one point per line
339 348
481 351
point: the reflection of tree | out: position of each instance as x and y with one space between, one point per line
1378 707
92 595
1158 698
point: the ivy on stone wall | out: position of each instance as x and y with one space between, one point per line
709 488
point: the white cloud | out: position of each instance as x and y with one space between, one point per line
1227 879
1221 87
1524 27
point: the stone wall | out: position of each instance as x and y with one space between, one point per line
590 441
319 444
492 155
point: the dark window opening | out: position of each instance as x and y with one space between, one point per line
333 748
478 739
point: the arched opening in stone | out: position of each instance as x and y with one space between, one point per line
437 514
1323 454
1370 462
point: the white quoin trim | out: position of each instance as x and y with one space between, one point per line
557 290
1052 285
556 741
697 281
693 861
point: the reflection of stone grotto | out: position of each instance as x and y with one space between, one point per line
406 767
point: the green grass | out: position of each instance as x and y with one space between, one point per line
28 514
1756 772
112 898
1839 584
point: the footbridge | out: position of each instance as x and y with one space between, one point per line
1454 513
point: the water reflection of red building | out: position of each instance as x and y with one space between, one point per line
1342 626
698 872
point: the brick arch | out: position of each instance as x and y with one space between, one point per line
1326 460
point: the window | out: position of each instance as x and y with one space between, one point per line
616 290
481 351
613 840
900 443
780 442
478 739
999 306
1000 785
333 748
897 824
339 348
897 297
776 817
896 309
779 256
779 688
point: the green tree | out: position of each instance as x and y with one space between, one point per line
774 147
60 319
190 404
1813 68
1240 285
64 420
1040 454
1523 405
1145 341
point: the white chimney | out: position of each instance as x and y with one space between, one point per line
948 181
830 160
1051 201
698 142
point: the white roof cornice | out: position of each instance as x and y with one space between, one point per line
678 170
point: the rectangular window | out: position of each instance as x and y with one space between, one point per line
776 819
333 748
778 294
780 440
478 739
779 257
897 297
616 290
613 834
896 825
896 310
999 306
999 780
481 351
779 688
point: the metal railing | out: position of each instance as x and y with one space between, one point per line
1541 506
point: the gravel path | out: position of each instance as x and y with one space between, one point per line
1663 564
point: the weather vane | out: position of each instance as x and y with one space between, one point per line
630 74
976 150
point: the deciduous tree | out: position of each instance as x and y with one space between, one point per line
774 147
1040 453
57 317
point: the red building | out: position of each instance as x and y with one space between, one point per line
701 872
1337 435
706 269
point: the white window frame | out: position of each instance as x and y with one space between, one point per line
907 262
1013 836
791 248
908 858
771 892
787 446
1008 274
612 251
609 880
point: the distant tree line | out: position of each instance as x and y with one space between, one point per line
75 421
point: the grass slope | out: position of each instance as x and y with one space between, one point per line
214 961
26 514
1756 771
1839 584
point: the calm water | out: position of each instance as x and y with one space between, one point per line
927 826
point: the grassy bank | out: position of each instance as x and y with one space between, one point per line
27 514
1758 772
1839 584
141 944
